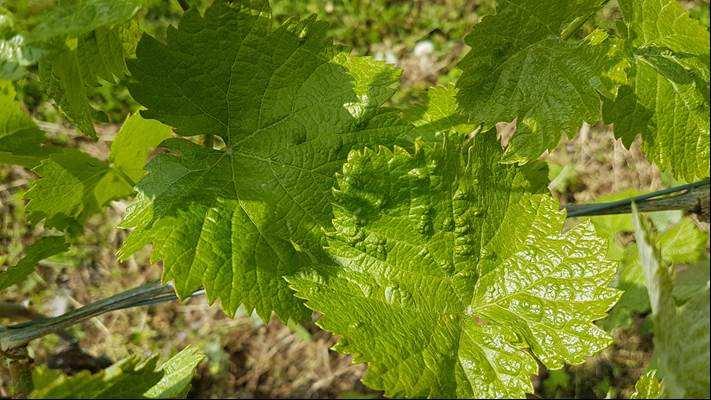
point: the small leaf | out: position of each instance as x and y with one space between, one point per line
682 355
129 378
648 387
178 372
43 248
83 16
21 141
62 78
133 144
74 185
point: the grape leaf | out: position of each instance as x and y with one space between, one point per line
178 372
74 185
681 243
21 141
288 108
439 113
75 18
43 248
667 98
648 387
133 144
519 67
690 279
62 79
453 273
101 29
664 24
634 299
68 74
129 378
682 355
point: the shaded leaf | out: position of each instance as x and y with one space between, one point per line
43 248
667 98
21 141
682 355
74 185
129 378
520 68
288 108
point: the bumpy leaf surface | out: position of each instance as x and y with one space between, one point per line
43 248
74 185
453 273
682 354
129 378
288 108
519 67
667 98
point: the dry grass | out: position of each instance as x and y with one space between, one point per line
602 165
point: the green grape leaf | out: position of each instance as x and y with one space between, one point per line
101 55
134 143
74 185
682 243
667 98
178 372
43 248
83 16
68 74
682 355
690 279
453 275
520 68
664 24
62 79
21 141
103 39
630 280
439 113
288 108
648 387
129 378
